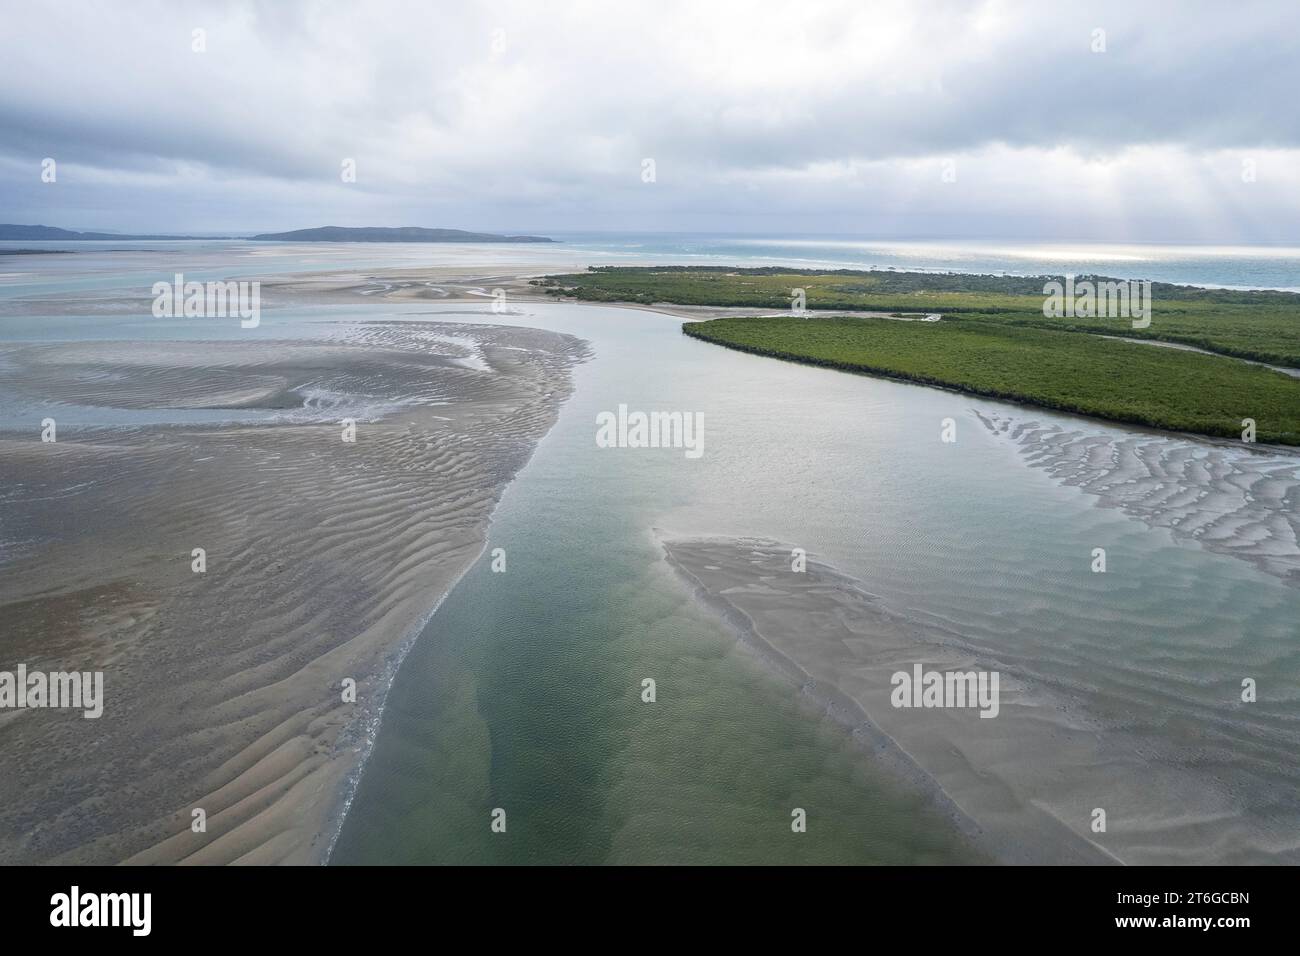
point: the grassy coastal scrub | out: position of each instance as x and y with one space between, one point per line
1120 381
994 340
1263 326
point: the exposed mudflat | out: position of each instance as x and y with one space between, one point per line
223 689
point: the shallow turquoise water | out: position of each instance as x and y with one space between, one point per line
522 691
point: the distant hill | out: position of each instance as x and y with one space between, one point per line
390 234
10 231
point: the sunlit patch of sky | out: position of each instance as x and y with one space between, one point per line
894 119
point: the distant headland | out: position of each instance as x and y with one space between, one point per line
9 232
390 234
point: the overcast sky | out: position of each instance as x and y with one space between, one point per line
920 118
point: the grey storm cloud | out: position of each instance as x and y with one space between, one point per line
772 114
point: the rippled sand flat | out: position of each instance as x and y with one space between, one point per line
1026 782
223 689
1237 501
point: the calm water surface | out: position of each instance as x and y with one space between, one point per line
523 690
522 693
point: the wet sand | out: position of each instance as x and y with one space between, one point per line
224 689
324 559
826 634
1227 497
1026 783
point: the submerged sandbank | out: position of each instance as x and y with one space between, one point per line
1230 498
1026 783
819 628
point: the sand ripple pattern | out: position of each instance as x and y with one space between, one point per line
324 558
1187 773
1238 501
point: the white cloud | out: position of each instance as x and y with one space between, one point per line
768 115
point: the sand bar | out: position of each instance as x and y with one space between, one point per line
323 558
1024 784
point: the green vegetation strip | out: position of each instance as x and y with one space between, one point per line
1071 372
1263 326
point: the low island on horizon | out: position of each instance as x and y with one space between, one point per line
11 231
